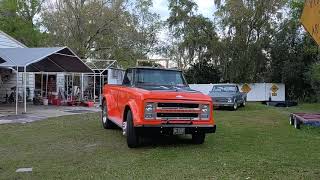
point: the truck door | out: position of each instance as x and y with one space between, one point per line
122 96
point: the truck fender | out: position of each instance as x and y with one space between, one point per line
134 107
108 98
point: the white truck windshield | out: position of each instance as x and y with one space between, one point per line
224 89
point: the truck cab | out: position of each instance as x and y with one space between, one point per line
156 101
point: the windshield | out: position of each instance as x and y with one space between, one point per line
159 77
224 89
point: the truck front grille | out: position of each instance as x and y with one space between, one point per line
177 111
177 106
174 115
220 99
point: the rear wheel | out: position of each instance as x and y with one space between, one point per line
243 103
132 137
106 123
198 138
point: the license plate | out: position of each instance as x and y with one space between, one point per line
178 131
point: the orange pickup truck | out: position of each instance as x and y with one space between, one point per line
156 101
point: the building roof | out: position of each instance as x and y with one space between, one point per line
7 41
57 59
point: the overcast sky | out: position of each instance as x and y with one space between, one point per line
205 7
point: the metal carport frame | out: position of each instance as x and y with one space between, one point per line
58 59
95 69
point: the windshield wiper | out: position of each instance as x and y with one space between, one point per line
146 83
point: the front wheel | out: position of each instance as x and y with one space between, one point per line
132 137
198 138
235 106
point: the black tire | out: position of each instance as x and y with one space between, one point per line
198 138
132 137
296 123
243 104
235 106
106 123
291 120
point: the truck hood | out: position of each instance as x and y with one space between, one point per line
222 94
172 93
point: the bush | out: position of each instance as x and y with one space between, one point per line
315 80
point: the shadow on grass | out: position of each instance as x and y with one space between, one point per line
228 108
165 141
160 140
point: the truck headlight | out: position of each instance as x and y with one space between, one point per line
149 107
149 110
230 100
205 112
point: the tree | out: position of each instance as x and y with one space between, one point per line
195 34
315 80
103 29
292 54
17 18
203 73
248 27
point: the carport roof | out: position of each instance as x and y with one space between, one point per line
56 59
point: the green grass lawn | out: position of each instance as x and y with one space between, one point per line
255 142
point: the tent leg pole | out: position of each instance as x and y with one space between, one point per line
72 87
67 75
41 91
94 87
25 90
17 90
82 86
47 85
100 89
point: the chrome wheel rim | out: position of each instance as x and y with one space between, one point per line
104 115
235 106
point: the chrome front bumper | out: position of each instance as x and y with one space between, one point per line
223 104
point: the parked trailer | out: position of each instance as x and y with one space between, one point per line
298 119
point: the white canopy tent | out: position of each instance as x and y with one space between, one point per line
57 59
